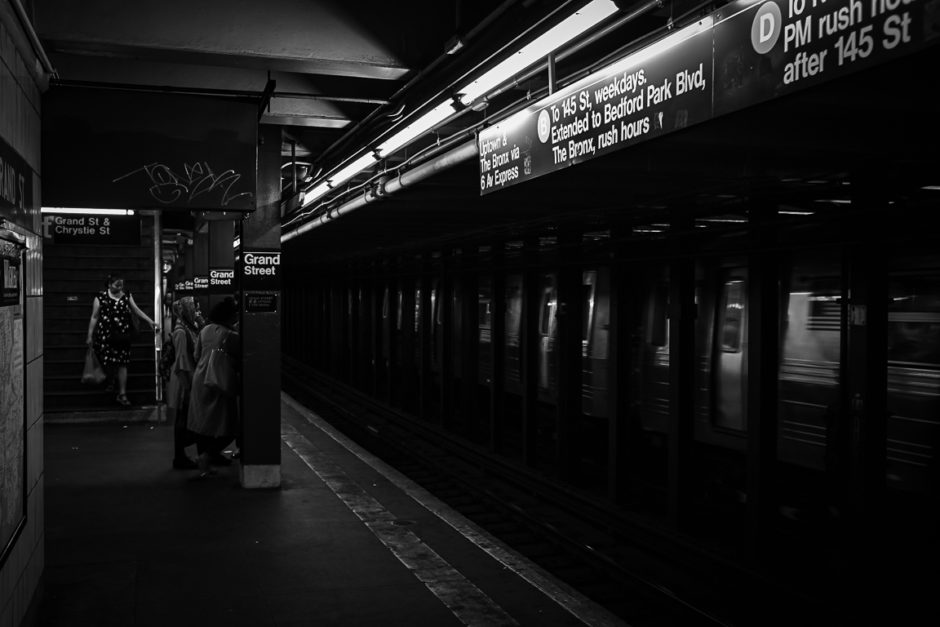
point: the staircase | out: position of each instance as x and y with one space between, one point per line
72 276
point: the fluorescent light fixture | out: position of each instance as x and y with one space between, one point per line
419 127
83 211
334 180
315 193
546 43
654 49
931 188
836 201
723 220
351 170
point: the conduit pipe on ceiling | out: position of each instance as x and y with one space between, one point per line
390 185
43 69
470 35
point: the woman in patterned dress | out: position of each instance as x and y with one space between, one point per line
109 331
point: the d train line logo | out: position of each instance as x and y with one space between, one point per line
765 29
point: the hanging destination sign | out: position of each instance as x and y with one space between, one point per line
738 56
220 280
92 230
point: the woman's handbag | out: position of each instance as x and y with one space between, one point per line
93 372
220 372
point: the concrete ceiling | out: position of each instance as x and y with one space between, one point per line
343 69
335 63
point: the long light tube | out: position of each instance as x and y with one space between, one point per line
351 170
557 36
419 127
552 39
83 211
315 193
660 46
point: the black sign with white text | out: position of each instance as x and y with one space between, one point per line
220 280
635 99
260 269
742 54
92 230
260 302
769 49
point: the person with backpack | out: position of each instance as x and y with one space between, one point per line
178 365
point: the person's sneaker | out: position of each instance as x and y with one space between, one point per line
184 464
219 460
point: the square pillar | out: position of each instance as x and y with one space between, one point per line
259 276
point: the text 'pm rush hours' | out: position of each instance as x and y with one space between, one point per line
742 54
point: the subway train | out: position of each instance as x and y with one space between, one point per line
809 383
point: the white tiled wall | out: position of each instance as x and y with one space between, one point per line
20 129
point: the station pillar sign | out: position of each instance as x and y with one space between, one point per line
260 272
221 280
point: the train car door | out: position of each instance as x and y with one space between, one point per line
912 442
730 352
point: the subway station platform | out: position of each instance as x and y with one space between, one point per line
345 540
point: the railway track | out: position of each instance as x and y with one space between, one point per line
573 548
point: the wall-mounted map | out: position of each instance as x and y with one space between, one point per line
12 427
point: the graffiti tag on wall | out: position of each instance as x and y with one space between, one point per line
169 186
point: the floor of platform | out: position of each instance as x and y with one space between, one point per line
343 541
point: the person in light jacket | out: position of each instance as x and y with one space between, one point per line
179 386
213 415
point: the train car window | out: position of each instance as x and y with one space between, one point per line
808 376
398 306
548 305
658 317
914 324
913 382
732 316
417 309
513 322
484 341
588 280
485 309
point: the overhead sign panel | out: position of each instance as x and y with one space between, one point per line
16 186
146 150
768 49
745 53
91 230
640 97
